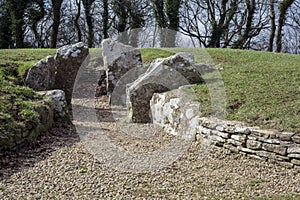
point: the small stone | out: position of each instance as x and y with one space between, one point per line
234 142
255 157
246 150
255 145
251 138
294 149
266 154
285 136
231 148
295 155
262 133
270 141
282 158
239 138
217 138
221 134
203 130
286 164
220 128
297 168
275 148
296 138
242 129
296 162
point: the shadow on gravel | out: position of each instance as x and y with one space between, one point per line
61 134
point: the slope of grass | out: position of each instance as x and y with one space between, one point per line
22 59
261 88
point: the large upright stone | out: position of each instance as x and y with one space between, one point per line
42 75
119 59
68 61
176 112
161 76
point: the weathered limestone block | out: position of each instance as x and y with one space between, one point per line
217 140
58 103
296 162
42 75
234 142
295 155
284 136
262 133
275 148
203 130
296 138
231 147
252 144
162 75
266 154
240 138
246 150
221 134
294 149
68 61
119 59
175 112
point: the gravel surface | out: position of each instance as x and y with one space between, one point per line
58 165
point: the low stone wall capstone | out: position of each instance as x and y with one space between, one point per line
279 147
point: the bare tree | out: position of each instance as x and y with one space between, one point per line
283 7
79 33
56 9
87 4
272 25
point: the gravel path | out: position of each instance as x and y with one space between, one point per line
58 166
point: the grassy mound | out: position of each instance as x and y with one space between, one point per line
19 105
261 88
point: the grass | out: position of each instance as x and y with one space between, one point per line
18 103
23 59
261 88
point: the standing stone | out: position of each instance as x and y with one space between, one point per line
175 112
101 88
42 75
68 61
119 59
162 75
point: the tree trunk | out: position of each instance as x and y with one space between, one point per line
17 9
79 34
105 22
251 7
283 7
56 6
172 11
34 16
87 4
273 26
160 17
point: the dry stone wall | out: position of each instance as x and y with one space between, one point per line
271 145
